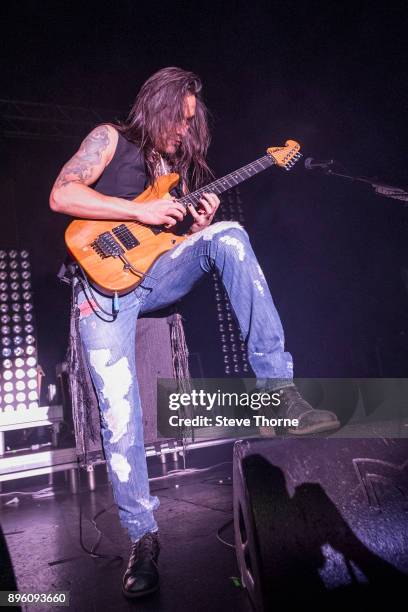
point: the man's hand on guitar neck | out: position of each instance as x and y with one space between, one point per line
205 212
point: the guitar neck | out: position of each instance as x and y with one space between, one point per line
229 180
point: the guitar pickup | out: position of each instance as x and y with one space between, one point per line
125 236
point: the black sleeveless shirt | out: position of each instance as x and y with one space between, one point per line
125 175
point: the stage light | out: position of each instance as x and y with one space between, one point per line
18 377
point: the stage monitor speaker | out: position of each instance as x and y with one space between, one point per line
320 519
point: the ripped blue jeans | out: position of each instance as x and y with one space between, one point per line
110 350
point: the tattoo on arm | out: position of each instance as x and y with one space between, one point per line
80 168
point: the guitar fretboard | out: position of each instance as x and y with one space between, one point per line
229 180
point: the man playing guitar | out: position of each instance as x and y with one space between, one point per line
166 131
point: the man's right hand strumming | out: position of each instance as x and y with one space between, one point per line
160 212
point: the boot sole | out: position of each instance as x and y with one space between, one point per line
131 595
315 429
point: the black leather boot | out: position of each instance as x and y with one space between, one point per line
293 406
142 576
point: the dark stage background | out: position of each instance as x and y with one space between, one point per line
330 75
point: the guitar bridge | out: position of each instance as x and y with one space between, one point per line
106 246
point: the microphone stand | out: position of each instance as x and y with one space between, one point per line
388 191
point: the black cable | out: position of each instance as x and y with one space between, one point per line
93 296
219 481
220 529
93 552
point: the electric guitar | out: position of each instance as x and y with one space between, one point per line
117 255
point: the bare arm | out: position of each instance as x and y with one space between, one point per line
71 194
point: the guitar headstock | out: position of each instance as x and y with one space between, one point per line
287 156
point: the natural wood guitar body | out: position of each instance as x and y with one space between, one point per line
109 273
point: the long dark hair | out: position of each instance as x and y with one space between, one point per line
160 104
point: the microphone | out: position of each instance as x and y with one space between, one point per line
313 164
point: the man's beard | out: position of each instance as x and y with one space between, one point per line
171 158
